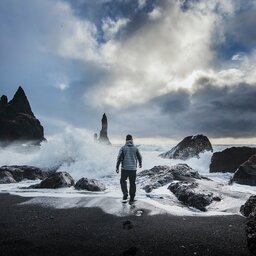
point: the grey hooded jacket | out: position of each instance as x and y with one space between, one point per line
128 156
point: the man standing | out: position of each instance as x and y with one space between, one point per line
128 156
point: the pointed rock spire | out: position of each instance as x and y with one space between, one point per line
17 121
20 102
104 130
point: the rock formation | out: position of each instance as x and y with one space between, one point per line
230 159
249 210
246 173
56 180
16 173
190 146
90 185
185 193
103 138
159 176
17 121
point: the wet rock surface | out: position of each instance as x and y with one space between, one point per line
56 180
161 175
249 211
17 173
90 185
230 159
251 235
185 193
249 208
6 177
246 173
189 147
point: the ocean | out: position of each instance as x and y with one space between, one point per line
76 153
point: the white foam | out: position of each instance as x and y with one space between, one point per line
75 150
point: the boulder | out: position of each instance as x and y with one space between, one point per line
22 172
17 121
230 159
103 138
56 180
249 211
185 193
249 208
90 185
250 231
161 175
190 146
246 173
6 177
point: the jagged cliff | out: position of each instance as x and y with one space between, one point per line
17 121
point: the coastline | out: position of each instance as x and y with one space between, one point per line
28 229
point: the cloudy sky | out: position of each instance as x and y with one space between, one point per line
158 68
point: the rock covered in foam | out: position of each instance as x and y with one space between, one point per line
230 159
185 193
189 147
161 175
56 180
6 177
90 185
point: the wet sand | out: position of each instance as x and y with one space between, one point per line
36 230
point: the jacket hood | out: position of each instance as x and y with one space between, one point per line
129 143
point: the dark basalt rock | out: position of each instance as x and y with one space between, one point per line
104 131
190 146
56 180
6 177
17 121
90 185
250 231
249 211
161 175
185 193
249 208
230 159
246 173
17 173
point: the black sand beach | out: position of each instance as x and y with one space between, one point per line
35 230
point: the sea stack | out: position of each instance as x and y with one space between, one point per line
104 131
17 121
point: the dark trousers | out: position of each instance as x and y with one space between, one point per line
132 177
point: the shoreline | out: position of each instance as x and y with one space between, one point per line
28 229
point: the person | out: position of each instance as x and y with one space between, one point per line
128 157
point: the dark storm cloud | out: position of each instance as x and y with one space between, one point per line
216 111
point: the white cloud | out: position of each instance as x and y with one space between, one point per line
62 86
141 3
163 50
111 27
